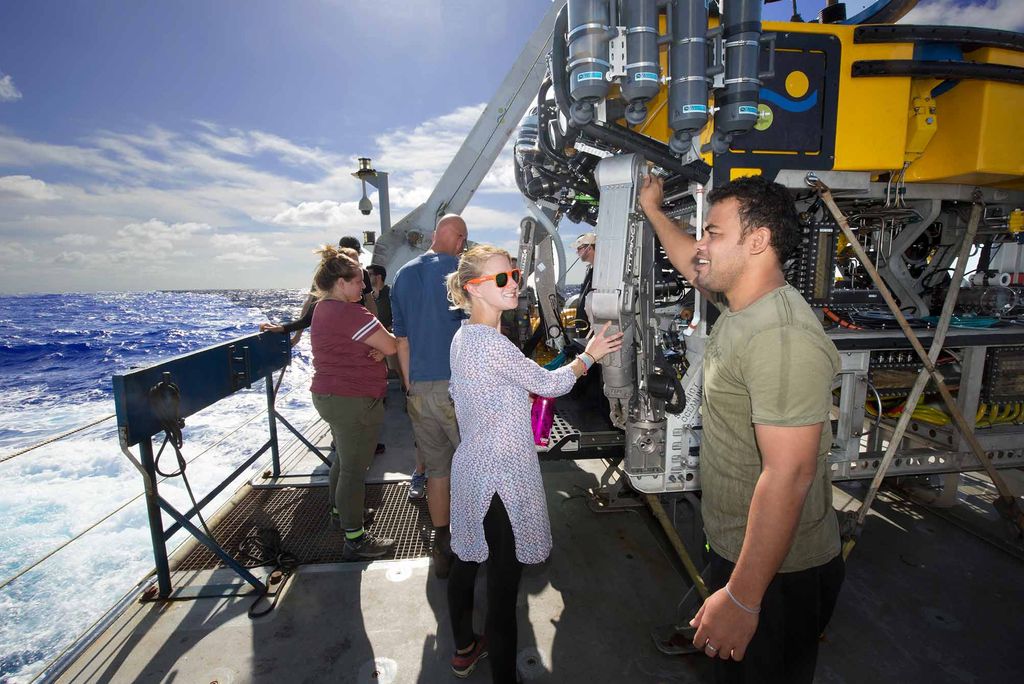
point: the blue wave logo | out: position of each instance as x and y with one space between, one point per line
783 102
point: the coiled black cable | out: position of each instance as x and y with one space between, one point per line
165 402
263 546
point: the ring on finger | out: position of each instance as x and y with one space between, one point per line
708 646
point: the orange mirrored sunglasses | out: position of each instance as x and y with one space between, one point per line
500 279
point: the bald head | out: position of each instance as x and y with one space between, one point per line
449 235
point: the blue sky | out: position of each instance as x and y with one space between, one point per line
194 144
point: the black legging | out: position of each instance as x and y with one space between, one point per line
503 573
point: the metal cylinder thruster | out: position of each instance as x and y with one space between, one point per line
737 102
833 13
688 87
589 33
643 71
526 145
992 300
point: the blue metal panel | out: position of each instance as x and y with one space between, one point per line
203 378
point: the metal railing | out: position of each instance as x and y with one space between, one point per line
272 444
157 399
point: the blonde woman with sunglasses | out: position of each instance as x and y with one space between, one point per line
498 509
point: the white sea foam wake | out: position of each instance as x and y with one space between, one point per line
51 494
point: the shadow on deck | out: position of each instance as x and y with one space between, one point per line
924 599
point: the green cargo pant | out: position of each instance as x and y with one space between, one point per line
355 425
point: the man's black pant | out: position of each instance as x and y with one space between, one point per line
794 612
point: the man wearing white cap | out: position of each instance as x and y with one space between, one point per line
590 389
585 246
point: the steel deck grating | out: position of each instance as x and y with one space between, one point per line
300 514
562 428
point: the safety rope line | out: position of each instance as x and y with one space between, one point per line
68 542
102 520
51 440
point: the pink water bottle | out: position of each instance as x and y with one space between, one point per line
541 417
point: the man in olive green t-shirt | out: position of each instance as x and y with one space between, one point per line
776 567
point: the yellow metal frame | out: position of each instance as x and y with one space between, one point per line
966 135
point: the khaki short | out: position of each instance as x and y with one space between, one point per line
433 424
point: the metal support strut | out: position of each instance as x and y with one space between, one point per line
1007 503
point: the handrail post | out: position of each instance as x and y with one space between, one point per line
156 524
272 419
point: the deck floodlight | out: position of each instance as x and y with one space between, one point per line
379 180
365 206
365 170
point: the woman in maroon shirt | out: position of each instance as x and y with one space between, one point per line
349 384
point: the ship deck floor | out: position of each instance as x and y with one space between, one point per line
924 600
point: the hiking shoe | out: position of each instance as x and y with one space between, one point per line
368 514
418 486
463 665
367 546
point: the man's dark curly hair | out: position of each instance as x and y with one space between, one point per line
764 203
351 243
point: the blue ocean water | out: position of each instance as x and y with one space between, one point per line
57 356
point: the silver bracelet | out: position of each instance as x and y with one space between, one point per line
752 611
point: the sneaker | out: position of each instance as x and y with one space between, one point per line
463 665
418 486
367 546
368 514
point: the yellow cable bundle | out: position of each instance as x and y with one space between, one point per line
931 415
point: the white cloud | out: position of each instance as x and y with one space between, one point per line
502 176
415 158
418 156
483 218
15 254
252 143
72 259
170 199
244 258
16 151
77 239
322 214
999 14
429 146
8 91
154 240
239 248
25 187
290 152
